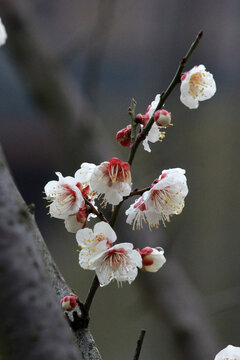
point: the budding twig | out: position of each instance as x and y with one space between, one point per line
176 79
139 345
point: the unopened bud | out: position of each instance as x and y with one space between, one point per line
162 118
123 136
69 302
152 259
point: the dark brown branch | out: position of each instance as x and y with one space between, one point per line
92 291
26 269
139 344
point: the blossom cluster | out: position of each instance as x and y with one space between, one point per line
72 199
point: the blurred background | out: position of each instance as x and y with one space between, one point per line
67 74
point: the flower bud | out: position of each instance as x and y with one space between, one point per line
162 118
69 302
123 136
152 259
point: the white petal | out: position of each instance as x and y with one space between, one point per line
145 145
85 172
51 187
72 225
229 353
3 33
105 229
85 237
189 101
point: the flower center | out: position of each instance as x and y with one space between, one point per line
66 196
196 84
116 257
117 171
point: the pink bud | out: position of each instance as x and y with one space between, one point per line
68 303
123 136
152 259
162 118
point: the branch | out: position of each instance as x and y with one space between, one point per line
25 266
139 344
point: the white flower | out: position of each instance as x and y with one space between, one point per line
229 353
113 179
110 262
3 33
66 197
152 259
165 198
196 85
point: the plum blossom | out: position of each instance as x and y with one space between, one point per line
65 195
3 33
229 353
152 259
164 199
119 262
78 220
112 178
196 85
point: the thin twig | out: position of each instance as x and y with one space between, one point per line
131 112
136 192
139 344
95 211
176 79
